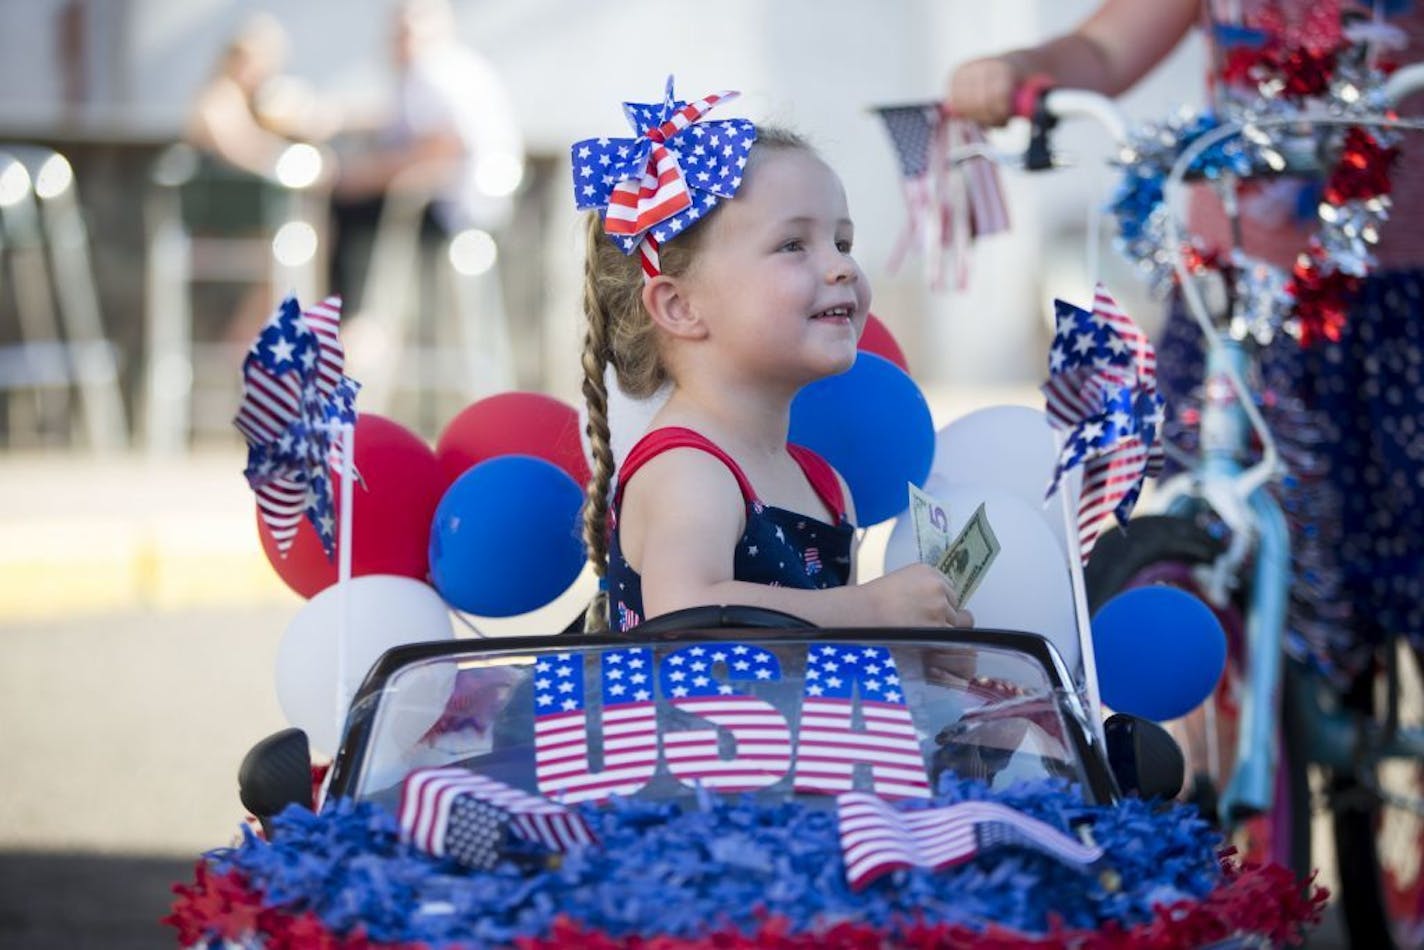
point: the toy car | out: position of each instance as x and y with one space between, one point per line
730 777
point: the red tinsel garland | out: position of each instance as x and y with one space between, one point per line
1322 295
1257 899
1362 171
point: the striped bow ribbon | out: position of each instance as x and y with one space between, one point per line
1102 392
876 838
653 187
295 401
453 812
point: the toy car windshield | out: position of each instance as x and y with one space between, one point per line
805 714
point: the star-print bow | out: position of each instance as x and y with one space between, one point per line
295 400
1102 390
653 187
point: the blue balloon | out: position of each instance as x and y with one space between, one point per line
506 537
1159 650
873 424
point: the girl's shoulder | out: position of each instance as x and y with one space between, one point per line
681 463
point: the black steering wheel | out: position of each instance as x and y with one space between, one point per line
714 616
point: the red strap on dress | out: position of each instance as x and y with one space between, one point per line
676 437
823 479
816 469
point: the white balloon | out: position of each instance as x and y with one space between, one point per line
1028 587
628 418
1012 448
384 611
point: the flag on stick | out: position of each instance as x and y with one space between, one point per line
876 838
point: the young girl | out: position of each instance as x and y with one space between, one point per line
740 295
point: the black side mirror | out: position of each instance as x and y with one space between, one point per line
275 773
1144 758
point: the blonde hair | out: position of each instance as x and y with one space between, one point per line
621 333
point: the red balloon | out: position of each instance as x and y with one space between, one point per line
516 423
393 506
877 339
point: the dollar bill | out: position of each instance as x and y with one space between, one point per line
931 521
967 559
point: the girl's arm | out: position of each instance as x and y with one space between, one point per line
1110 51
681 519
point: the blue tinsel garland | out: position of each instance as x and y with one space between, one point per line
663 870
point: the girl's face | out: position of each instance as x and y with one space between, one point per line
774 280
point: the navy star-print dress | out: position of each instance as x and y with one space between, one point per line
779 547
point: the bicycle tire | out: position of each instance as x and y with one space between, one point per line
1382 899
1165 549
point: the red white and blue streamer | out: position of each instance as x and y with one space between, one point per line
1102 394
296 400
740 874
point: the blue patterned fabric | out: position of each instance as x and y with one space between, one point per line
779 547
1349 417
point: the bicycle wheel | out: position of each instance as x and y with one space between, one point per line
1379 842
1166 550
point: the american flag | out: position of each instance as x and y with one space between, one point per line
876 838
661 182
458 813
830 747
813 561
561 727
1102 392
697 681
295 400
950 198
627 617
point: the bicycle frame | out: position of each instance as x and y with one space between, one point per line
1258 525
1238 495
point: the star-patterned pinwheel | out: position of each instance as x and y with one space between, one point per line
655 186
295 401
1102 391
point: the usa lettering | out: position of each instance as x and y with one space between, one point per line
853 717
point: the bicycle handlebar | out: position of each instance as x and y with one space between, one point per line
1043 105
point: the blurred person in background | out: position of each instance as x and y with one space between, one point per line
451 135
243 120
248 113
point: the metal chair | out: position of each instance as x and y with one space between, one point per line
63 347
208 223
467 356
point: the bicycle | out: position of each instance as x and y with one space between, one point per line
1272 716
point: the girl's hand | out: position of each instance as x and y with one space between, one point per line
982 90
916 595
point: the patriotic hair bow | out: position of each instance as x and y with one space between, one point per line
651 188
295 399
1102 391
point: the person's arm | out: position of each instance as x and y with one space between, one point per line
682 516
222 124
373 172
1110 51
